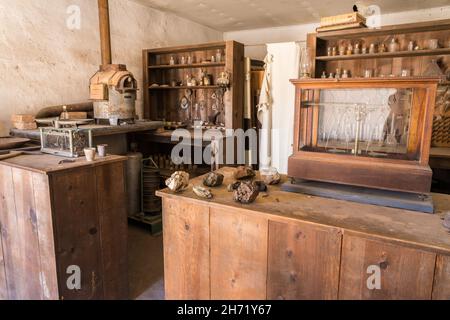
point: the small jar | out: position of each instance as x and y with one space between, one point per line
382 48
393 46
219 56
172 60
345 74
372 48
411 46
342 51
406 73
334 51
338 73
331 76
324 75
349 50
433 44
183 60
329 51
357 49
368 73
364 50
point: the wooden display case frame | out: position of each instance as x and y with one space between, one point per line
412 176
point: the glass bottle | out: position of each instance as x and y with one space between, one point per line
219 56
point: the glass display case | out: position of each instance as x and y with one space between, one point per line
366 132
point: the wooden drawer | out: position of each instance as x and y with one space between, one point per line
441 288
304 261
405 273
186 250
238 255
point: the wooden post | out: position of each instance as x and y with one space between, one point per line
105 35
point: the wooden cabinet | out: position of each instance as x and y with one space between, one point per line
162 97
238 255
441 290
404 273
303 262
186 250
295 247
54 216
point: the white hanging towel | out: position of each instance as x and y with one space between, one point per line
264 116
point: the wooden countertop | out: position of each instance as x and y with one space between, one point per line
98 130
413 228
47 163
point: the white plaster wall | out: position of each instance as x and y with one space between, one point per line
256 39
44 63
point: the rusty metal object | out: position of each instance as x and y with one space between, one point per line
105 34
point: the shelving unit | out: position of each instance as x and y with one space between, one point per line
162 102
384 55
389 65
385 63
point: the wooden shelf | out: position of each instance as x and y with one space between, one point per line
428 26
399 54
188 66
184 88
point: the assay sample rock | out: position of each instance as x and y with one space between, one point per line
213 179
179 181
246 193
202 192
233 186
243 173
271 179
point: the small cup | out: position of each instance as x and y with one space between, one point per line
114 121
90 154
101 148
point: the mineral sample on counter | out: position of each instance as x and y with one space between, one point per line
213 179
246 193
202 192
243 173
262 187
271 179
233 186
179 181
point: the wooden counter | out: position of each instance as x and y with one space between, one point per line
54 216
98 130
293 246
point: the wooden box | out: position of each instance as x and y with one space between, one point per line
55 217
372 133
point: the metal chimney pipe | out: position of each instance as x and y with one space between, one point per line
105 34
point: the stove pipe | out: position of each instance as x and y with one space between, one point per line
105 34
